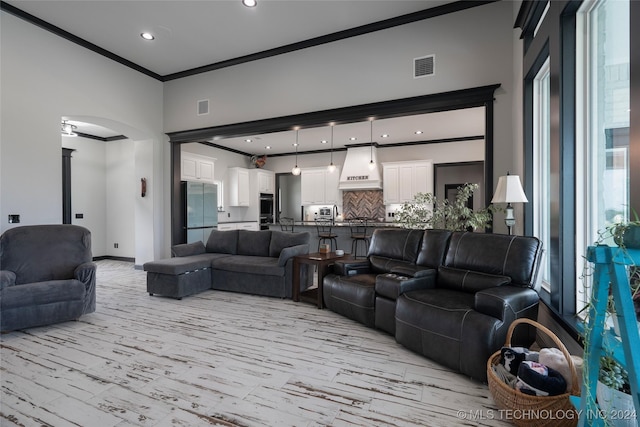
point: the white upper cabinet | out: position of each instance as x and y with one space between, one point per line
319 186
238 185
266 180
403 180
195 167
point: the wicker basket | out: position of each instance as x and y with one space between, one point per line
526 410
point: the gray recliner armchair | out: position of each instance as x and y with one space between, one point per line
46 275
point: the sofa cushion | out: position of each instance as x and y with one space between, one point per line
223 242
433 248
42 293
281 240
187 249
254 243
267 266
397 244
468 281
515 256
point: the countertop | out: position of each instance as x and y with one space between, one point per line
346 224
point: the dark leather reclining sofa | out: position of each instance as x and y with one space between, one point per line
449 296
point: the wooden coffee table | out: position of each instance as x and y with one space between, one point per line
322 261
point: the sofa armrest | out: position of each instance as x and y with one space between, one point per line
188 249
85 272
414 271
290 252
7 278
505 302
352 267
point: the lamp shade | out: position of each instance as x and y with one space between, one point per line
509 190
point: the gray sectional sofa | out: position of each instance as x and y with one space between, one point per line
252 262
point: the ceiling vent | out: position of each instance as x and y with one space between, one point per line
203 107
424 66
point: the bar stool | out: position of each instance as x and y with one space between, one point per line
358 234
286 224
324 233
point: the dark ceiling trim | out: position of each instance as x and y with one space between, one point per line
339 35
445 101
75 39
101 138
316 41
375 144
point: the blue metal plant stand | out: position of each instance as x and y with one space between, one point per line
610 275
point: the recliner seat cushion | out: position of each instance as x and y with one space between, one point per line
469 281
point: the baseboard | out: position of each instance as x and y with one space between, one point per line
113 258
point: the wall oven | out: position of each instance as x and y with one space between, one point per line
266 210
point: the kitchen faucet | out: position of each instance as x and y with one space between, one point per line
334 213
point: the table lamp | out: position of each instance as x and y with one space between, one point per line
509 190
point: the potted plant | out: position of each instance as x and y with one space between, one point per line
614 392
425 211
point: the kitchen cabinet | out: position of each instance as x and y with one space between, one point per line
238 183
403 180
195 167
266 180
319 186
225 226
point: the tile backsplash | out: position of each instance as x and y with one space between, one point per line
363 203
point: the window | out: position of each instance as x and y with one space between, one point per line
602 128
541 164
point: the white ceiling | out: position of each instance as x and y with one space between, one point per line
192 34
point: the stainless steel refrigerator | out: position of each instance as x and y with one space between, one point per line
201 210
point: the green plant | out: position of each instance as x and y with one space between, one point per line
615 231
613 375
425 211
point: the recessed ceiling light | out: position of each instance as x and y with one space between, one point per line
250 3
353 138
385 135
147 36
268 147
295 144
248 140
418 132
324 141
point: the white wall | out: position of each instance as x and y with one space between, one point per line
45 78
89 188
472 48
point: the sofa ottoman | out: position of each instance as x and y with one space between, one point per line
184 275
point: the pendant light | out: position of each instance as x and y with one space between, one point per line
372 164
331 167
296 170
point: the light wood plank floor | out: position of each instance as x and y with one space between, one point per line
222 359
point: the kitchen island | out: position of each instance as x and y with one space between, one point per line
340 228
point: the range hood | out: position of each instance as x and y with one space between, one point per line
356 174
